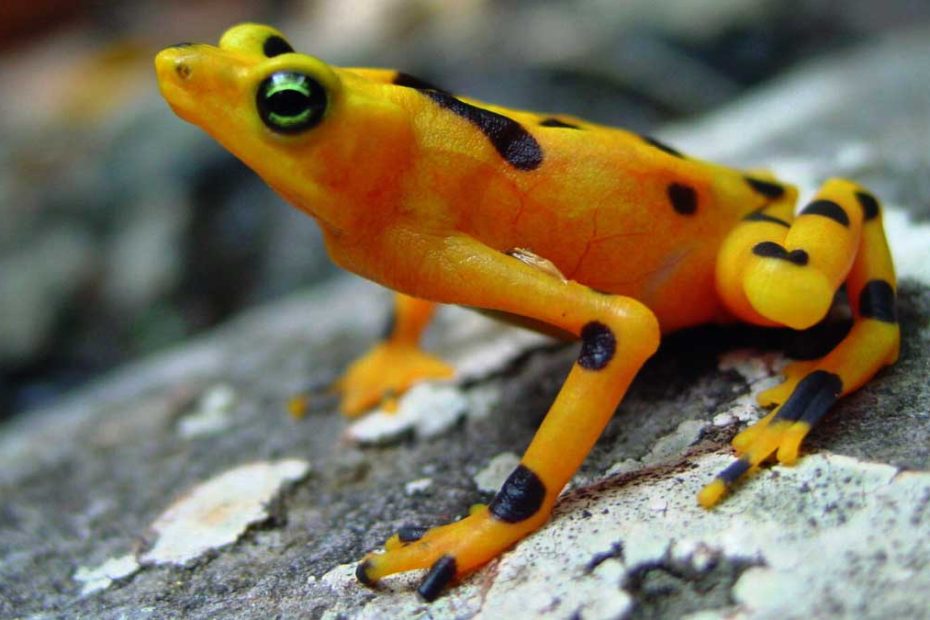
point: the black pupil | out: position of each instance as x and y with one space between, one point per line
290 102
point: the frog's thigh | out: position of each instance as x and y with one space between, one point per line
618 334
394 365
840 211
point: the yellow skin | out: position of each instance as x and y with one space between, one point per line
593 231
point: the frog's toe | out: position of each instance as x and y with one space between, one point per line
448 551
386 371
780 433
793 373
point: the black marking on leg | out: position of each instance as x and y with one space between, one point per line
662 146
827 208
811 398
733 471
410 533
759 216
770 249
877 301
361 573
275 46
411 81
520 497
769 189
554 122
438 577
598 345
515 144
684 198
869 204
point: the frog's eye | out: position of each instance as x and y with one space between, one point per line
290 102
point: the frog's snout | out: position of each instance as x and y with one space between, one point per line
174 65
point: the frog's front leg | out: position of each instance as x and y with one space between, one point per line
618 334
787 272
393 365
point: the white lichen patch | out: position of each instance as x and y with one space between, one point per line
211 413
496 471
99 578
742 409
753 366
218 511
418 487
669 446
833 536
427 410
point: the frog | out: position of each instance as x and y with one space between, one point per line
610 237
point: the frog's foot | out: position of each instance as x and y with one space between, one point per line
779 433
448 551
388 370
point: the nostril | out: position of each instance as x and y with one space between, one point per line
183 70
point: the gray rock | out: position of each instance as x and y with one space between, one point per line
84 483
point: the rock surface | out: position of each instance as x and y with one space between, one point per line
84 483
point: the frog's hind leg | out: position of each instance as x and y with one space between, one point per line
840 237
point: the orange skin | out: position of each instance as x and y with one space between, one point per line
595 232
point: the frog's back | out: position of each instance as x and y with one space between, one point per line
620 212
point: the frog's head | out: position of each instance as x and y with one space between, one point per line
323 145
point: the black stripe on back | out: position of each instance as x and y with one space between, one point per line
514 143
411 81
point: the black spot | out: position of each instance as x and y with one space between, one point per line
770 249
877 301
759 216
598 346
662 146
827 208
410 533
733 471
766 188
439 576
554 122
869 205
183 44
520 497
811 398
411 81
275 46
683 198
361 573
514 143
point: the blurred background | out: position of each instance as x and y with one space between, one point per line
124 230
